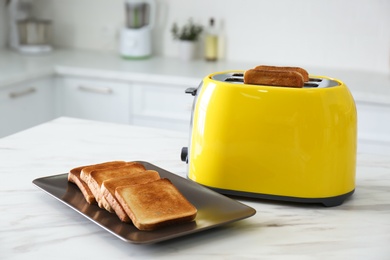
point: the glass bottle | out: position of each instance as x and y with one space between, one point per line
211 42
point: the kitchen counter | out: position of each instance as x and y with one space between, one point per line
34 225
15 68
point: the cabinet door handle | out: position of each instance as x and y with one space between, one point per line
18 94
96 90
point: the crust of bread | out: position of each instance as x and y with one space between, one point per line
74 176
155 204
108 190
86 171
97 177
279 78
300 70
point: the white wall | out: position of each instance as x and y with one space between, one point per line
347 34
2 25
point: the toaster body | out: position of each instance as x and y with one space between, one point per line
290 144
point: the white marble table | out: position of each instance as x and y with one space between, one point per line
34 225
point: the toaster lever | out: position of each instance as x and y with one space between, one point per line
191 91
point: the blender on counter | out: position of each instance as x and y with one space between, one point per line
135 38
27 34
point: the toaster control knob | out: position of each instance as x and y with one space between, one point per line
184 154
191 91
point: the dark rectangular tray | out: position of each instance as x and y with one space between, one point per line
213 208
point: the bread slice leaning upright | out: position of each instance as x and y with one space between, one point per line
155 204
108 189
300 70
280 78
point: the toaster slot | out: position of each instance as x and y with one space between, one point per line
240 80
235 77
321 83
315 80
313 83
310 85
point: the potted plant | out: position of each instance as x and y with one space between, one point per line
187 35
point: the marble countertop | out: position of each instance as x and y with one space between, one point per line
16 68
34 225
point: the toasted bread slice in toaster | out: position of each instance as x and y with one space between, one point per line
97 177
155 204
108 189
300 70
279 78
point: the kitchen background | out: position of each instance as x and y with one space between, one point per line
337 34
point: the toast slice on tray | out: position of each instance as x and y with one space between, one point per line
155 204
78 176
108 189
97 177
74 176
86 171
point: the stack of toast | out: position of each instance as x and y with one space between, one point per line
133 193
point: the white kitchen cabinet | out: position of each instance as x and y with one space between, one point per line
94 99
162 105
373 121
26 105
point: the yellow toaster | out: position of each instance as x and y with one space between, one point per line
278 143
